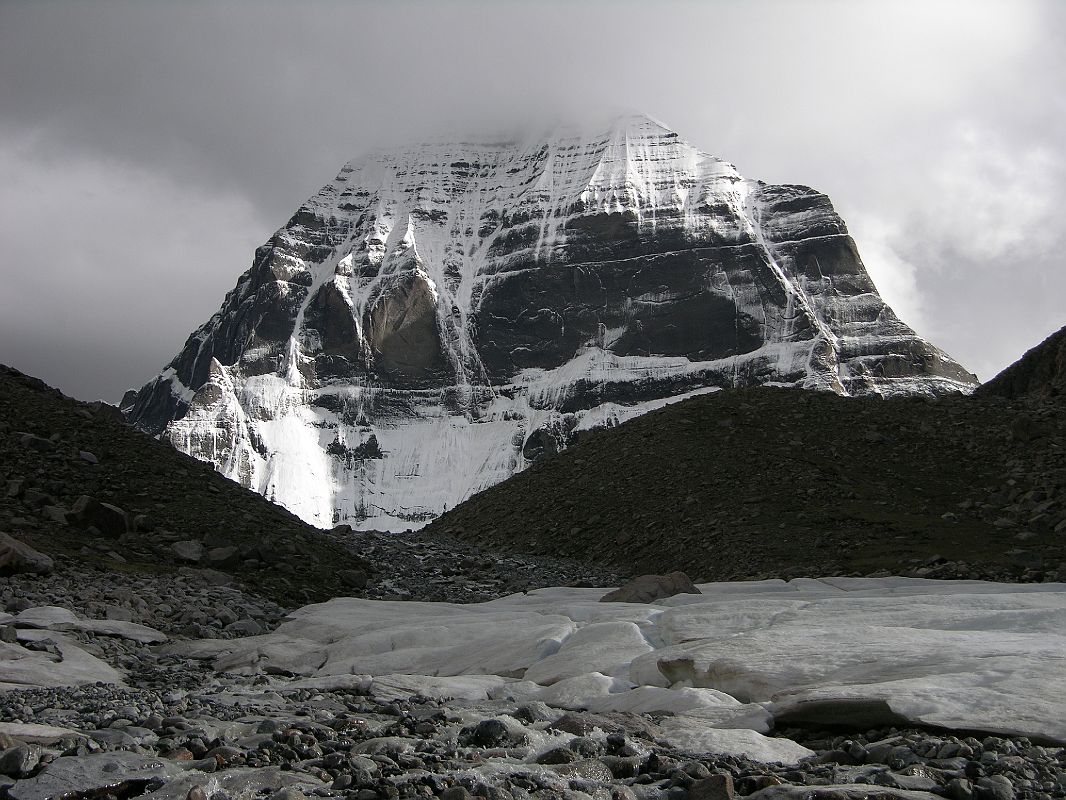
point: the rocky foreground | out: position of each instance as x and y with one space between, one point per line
826 689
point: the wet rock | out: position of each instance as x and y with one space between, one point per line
77 776
19 761
558 755
288 793
715 787
489 733
589 769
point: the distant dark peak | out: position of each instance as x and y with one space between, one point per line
1039 374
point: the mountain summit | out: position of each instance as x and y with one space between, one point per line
438 317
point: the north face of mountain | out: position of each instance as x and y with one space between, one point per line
437 318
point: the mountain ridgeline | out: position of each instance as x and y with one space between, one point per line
768 482
1039 374
438 318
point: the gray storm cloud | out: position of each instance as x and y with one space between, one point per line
145 149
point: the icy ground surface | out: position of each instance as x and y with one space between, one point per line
861 651
553 694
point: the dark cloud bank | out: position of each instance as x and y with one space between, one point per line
147 148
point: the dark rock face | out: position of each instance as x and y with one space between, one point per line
1039 374
474 306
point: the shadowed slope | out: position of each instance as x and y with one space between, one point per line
54 449
777 482
1040 373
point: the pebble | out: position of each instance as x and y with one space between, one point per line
440 568
347 744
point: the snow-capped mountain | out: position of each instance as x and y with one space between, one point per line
438 317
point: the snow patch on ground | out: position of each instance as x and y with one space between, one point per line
956 654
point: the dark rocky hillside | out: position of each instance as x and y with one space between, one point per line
146 506
110 504
1040 373
777 482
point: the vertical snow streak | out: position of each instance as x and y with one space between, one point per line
797 297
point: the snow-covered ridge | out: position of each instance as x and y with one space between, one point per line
437 317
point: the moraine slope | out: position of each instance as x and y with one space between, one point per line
767 482
1039 374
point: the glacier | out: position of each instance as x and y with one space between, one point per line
739 656
438 317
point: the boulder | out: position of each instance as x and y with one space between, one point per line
353 578
189 550
56 514
111 521
649 588
34 442
35 498
715 787
207 577
18 557
589 769
223 557
244 627
20 760
216 538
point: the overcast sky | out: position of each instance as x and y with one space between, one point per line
147 148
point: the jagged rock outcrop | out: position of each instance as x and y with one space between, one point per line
1040 374
437 317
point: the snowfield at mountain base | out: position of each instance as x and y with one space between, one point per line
952 654
554 690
